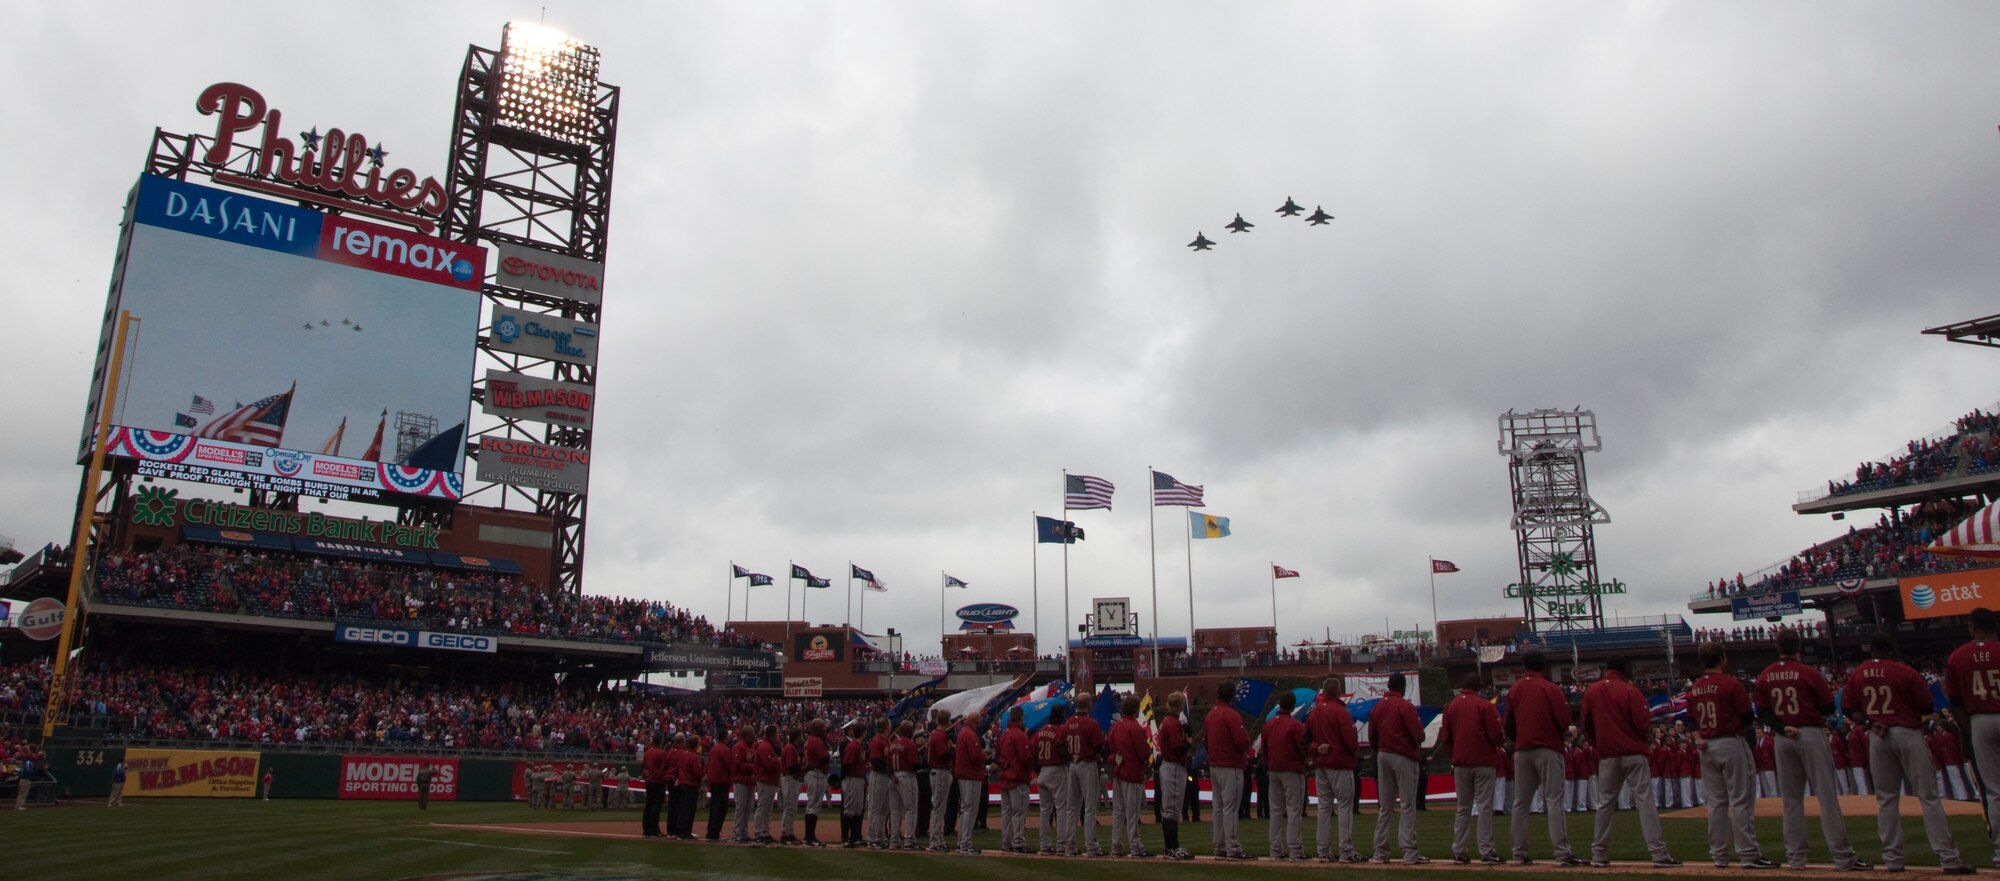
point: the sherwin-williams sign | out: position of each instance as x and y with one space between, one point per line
1949 593
188 772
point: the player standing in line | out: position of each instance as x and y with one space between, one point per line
1228 752
656 769
1537 714
1894 700
938 750
768 754
1175 752
720 776
1857 758
1398 738
1724 726
817 759
968 772
1335 751
1615 718
882 796
1472 737
1017 767
1086 782
791 775
853 785
1052 778
684 796
1129 752
1285 757
903 770
1794 700
1972 684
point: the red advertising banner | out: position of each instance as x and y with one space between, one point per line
395 777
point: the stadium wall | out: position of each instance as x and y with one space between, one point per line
86 773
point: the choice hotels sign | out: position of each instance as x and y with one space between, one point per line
1948 593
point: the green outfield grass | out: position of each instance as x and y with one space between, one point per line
217 839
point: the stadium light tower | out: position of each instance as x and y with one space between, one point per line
1554 516
532 144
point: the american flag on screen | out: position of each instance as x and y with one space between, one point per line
259 423
1082 493
1168 491
202 405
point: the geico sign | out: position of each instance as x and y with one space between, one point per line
374 635
457 642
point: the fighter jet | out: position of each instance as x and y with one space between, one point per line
1201 243
1239 224
357 328
309 325
1319 216
1290 208
348 321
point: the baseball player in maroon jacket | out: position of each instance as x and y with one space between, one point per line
853 785
1616 718
1336 752
968 772
1086 783
818 759
1894 701
937 749
1537 714
1724 726
1794 699
1129 752
1228 754
793 761
1471 735
1052 777
1398 738
1175 752
1017 767
1972 685
1285 757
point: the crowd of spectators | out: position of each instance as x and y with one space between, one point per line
1758 632
1892 548
286 585
1925 460
142 702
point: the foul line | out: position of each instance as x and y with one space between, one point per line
531 830
471 844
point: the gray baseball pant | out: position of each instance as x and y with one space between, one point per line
1539 772
1806 759
1475 797
1729 785
1336 798
1903 756
1396 794
1623 772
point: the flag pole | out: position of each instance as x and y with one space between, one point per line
1274 602
1064 642
1188 532
1153 560
790 569
864 600
803 593
1035 567
941 630
1434 607
729 601
847 617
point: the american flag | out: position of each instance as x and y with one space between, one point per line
875 585
1082 493
202 405
1168 491
259 423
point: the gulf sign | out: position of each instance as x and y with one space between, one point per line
988 613
42 619
546 272
395 777
1949 593
519 396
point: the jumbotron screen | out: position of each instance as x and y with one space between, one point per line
285 349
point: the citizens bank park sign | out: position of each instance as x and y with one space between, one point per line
518 396
533 465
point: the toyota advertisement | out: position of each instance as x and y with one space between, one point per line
283 349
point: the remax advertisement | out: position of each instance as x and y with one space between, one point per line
284 349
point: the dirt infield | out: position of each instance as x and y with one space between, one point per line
1850 806
1696 865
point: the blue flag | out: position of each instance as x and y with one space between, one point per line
1049 530
819 582
1105 708
915 699
759 580
1251 696
799 571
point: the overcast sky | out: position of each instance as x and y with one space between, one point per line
880 272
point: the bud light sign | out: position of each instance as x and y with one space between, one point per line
988 613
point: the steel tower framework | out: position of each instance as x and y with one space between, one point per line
1554 517
542 181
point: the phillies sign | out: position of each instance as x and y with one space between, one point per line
335 168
